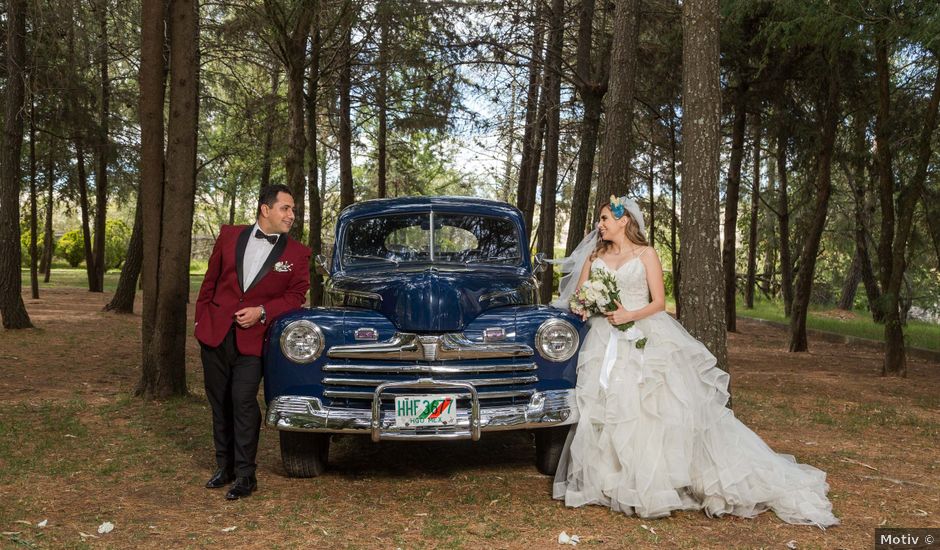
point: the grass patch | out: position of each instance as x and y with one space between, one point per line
67 277
41 438
857 417
858 323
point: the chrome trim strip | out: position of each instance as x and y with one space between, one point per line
301 413
477 382
445 347
458 346
342 394
342 293
429 369
403 346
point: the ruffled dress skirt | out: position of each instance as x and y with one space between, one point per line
660 438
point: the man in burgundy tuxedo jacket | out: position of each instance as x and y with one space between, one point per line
255 274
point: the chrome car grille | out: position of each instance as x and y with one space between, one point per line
500 372
358 381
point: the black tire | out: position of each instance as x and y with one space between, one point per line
304 454
549 442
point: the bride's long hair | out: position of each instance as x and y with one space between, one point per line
631 230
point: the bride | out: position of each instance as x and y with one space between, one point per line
654 434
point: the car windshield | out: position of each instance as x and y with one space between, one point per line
409 238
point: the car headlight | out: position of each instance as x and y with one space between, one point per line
302 341
557 340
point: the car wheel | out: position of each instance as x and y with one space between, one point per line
549 442
304 454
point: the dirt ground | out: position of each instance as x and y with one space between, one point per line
77 450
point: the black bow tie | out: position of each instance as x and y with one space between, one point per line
270 238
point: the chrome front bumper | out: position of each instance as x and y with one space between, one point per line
307 414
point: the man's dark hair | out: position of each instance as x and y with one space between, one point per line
269 194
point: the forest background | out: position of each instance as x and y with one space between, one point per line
783 152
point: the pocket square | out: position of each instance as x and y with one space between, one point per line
283 267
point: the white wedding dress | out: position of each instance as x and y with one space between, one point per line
660 438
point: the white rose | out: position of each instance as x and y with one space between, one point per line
590 296
603 300
633 334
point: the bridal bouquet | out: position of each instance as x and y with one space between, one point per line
598 295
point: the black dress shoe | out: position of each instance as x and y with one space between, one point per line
220 478
242 487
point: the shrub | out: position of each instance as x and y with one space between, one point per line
116 238
71 248
24 246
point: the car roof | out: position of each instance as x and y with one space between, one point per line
469 205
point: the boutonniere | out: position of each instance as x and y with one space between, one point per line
283 267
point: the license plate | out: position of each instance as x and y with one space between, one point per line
415 411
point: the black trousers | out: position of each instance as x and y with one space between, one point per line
232 381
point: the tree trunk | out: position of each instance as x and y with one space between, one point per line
893 265
270 113
732 194
346 193
12 308
102 148
783 216
616 150
591 84
82 175
552 93
849 287
314 236
33 222
295 46
510 142
674 219
582 185
126 292
232 200
702 293
752 225
47 250
151 100
804 284
381 100
770 234
931 203
864 210
530 152
651 184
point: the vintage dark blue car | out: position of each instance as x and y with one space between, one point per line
432 330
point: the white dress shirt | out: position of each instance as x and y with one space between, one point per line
256 253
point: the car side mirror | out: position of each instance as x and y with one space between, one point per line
540 264
321 264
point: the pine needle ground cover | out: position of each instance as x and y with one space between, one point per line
78 452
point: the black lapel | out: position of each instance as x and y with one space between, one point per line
240 247
269 262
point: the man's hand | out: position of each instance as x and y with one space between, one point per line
248 317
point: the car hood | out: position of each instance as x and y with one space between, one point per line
433 299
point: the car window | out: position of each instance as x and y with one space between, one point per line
457 238
471 238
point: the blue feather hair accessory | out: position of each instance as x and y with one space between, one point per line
617 207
